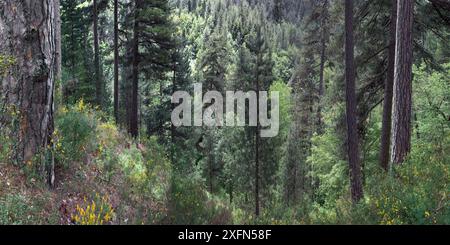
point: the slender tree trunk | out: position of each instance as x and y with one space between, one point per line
172 107
28 33
134 128
98 81
257 138
58 40
58 76
388 93
211 173
116 60
401 121
230 191
352 132
323 47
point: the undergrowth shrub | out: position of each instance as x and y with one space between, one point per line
190 204
96 212
146 172
108 139
132 163
275 213
75 132
418 192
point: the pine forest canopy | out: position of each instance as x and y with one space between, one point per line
363 112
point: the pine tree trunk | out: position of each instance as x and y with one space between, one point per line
388 93
257 138
401 120
352 133
28 33
134 127
58 41
116 60
323 46
98 81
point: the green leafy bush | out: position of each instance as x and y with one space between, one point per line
75 132
418 192
190 204
328 168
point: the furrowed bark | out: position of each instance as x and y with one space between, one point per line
388 93
29 33
402 101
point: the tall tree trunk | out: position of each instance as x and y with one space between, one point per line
58 76
98 81
172 107
116 60
28 33
257 138
210 168
323 46
401 121
58 40
134 127
388 93
257 167
352 133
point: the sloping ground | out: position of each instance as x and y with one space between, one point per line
114 181
25 200
103 177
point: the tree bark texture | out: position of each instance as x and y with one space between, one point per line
388 92
29 34
352 131
402 101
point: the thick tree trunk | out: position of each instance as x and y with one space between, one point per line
28 33
388 93
352 133
116 60
401 121
98 81
134 128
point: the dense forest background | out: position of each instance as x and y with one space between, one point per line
86 134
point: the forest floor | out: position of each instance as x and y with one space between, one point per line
74 187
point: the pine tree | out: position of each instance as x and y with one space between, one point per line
352 134
262 79
388 92
152 44
402 101
98 79
29 87
116 60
